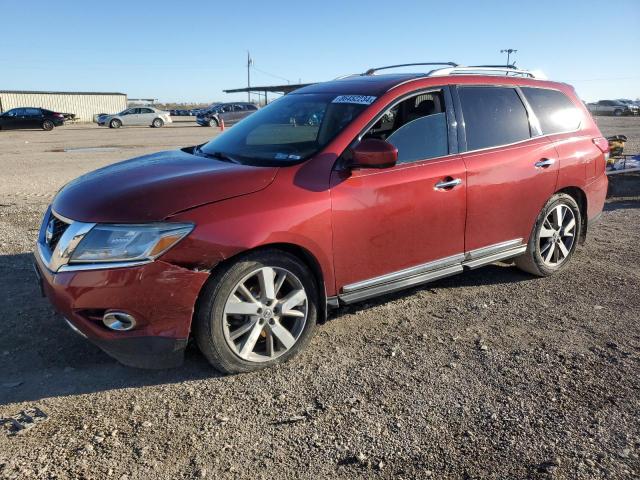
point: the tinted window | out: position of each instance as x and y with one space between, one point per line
146 110
493 116
251 107
237 108
417 127
555 112
420 139
32 112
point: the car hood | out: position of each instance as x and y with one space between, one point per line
153 187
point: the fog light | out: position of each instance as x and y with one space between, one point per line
119 321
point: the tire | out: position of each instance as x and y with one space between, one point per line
544 255
213 123
157 123
617 113
216 330
115 123
48 125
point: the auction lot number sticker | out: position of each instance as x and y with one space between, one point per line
358 99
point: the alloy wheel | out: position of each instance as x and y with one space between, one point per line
557 235
265 314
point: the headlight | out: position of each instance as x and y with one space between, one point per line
128 243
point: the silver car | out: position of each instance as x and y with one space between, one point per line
136 116
612 107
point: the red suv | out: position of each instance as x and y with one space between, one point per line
245 242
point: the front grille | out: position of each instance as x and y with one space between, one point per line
55 230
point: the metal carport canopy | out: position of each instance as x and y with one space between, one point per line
284 89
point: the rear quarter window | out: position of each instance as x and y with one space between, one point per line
493 116
555 111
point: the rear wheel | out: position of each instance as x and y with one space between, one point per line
115 123
554 238
157 123
213 122
47 125
257 312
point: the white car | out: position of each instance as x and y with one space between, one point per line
136 116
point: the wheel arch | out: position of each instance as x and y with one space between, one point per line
301 253
581 199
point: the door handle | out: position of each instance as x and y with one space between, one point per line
545 162
448 184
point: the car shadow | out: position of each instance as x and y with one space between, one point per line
41 357
621 204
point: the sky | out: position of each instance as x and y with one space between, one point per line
190 50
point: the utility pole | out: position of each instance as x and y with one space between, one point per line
249 63
508 51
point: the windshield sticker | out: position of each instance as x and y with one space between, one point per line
358 99
287 156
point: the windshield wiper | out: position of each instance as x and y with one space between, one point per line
217 155
222 156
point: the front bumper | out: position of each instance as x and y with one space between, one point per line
161 297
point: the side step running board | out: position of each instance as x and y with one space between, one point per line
431 271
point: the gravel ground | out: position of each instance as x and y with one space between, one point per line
493 374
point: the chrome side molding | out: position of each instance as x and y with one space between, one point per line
407 272
430 271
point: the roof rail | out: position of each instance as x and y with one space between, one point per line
483 70
371 71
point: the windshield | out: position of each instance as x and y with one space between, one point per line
288 130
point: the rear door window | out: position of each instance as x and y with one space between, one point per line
493 116
555 112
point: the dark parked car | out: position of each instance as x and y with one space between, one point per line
30 118
229 112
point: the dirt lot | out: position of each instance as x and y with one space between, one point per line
494 374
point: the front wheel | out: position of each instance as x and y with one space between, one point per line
213 122
554 238
115 123
256 312
157 123
617 113
47 125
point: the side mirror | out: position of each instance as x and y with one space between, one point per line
374 153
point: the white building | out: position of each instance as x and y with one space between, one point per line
85 105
